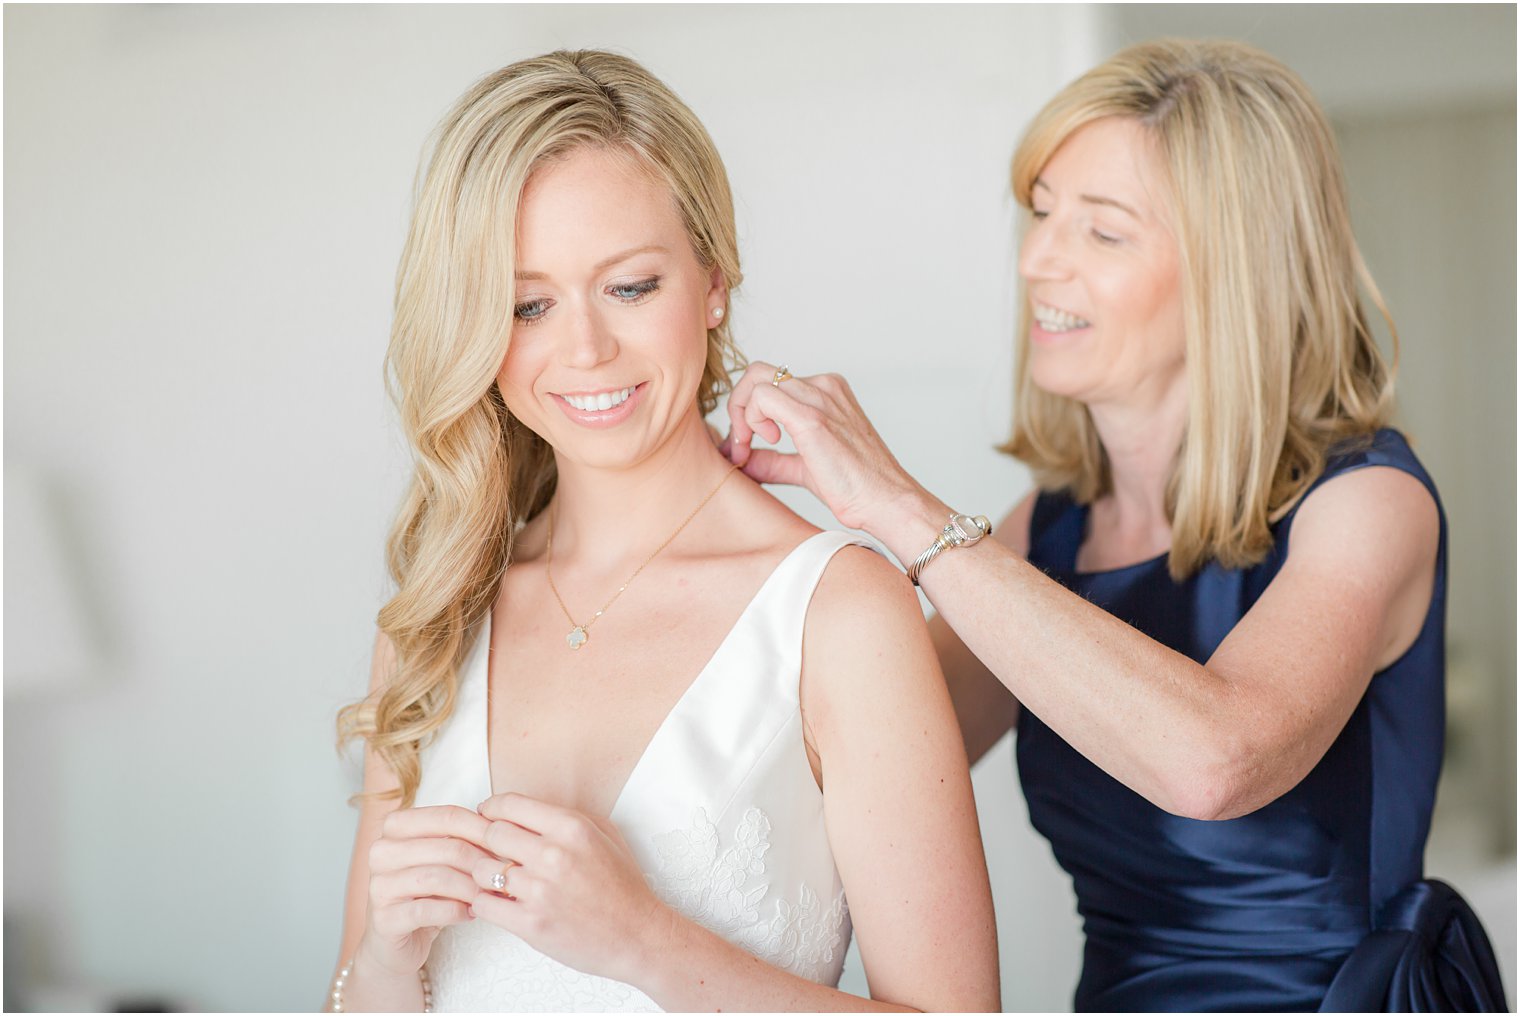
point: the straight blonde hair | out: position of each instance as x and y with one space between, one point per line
1281 364
480 474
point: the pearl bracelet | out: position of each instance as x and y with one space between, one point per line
342 978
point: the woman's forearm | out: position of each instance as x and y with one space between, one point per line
1145 714
691 969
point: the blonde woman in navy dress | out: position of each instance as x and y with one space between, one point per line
639 737
1218 623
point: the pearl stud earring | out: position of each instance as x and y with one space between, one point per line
718 313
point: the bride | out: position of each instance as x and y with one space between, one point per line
637 736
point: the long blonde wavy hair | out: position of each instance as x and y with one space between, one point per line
1281 364
480 473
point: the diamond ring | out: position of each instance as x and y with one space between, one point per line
499 879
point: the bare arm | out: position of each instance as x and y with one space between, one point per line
1211 741
900 816
900 819
408 876
1227 737
372 811
984 707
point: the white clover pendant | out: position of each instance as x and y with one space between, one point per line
577 637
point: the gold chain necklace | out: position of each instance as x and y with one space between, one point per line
579 635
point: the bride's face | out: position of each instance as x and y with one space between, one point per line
609 331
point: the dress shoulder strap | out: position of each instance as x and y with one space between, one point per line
739 709
1385 447
781 606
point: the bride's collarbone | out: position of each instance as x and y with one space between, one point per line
569 725
659 620
681 597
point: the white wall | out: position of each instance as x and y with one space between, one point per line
1357 57
204 210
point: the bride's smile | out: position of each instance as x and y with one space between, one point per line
610 316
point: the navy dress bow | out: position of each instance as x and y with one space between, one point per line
1428 954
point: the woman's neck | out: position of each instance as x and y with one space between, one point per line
1141 439
605 517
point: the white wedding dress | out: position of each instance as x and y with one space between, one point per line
721 812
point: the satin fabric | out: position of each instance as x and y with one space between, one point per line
1429 955
1260 912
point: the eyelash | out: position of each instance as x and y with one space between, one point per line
1101 237
639 290
533 311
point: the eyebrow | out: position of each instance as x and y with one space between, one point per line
1098 199
607 262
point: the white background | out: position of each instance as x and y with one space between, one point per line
204 209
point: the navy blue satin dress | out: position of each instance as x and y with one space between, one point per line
1257 913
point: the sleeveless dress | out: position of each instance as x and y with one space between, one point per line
1257 913
721 812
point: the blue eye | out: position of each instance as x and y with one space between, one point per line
634 292
530 311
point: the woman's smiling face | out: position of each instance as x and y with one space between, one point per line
1101 268
609 331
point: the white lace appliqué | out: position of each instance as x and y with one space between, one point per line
724 890
477 967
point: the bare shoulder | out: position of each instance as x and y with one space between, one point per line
1378 514
866 645
1368 538
761 515
861 594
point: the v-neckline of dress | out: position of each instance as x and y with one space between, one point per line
675 709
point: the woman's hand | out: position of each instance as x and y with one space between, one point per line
420 881
840 457
570 888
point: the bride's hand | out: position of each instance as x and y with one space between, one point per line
420 881
840 457
568 885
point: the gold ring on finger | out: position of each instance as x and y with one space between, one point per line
782 374
499 880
